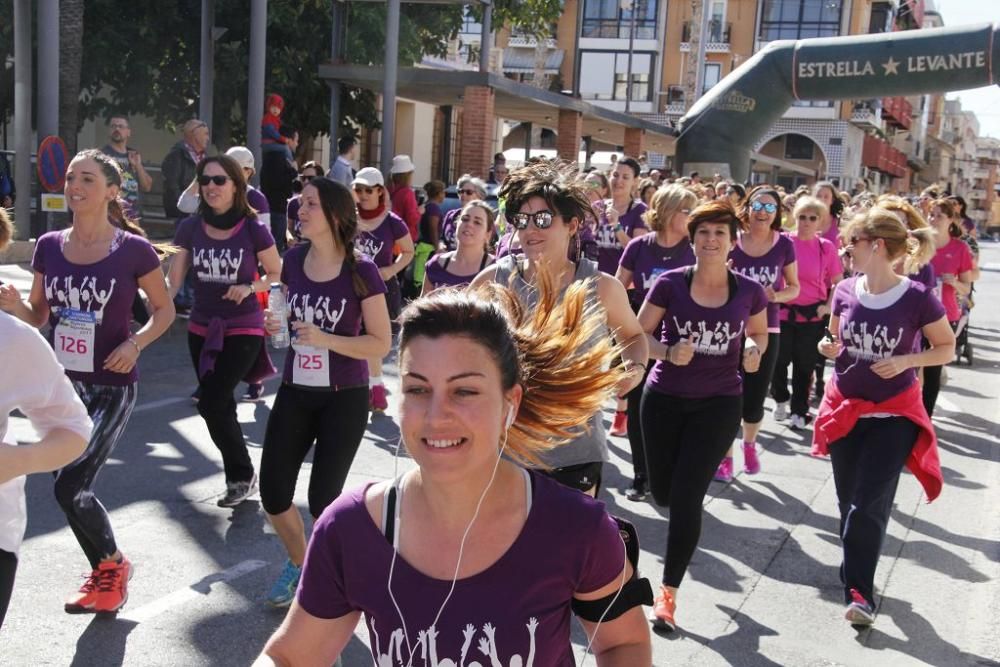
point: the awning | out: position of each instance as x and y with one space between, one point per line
514 101
523 61
784 165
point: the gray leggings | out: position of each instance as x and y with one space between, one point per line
109 408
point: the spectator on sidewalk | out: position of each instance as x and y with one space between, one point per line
342 169
135 178
404 199
6 183
276 178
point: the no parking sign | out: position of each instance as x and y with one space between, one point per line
52 159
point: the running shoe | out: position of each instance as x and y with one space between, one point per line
800 422
255 392
859 612
751 463
620 426
196 395
237 492
639 491
725 471
283 591
183 312
377 399
781 411
104 591
663 610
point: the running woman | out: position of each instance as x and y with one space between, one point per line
871 420
766 256
470 552
548 206
379 229
224 243
323 398
457 268
954 267
85 280
55 412
644 260
713 322
802 318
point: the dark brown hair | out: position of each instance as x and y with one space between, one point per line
745 212
235 173
951 209
341 214
715 211
113 176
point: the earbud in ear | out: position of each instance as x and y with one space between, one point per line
510 417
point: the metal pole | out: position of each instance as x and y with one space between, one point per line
446 143
335 48
206 88
528 129
22 119
48 67
255 99
389 84
699 75
486 40
631 47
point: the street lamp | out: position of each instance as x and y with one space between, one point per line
629 6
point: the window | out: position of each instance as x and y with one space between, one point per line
604 75
470 25
711 76
607 19
798 147
799 19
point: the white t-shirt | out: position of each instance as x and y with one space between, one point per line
35 383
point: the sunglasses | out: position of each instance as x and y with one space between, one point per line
757 206
361 188
542 219
306 178
810 218
468 192
854 240
218 180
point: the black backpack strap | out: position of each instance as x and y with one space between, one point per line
635 592
389 513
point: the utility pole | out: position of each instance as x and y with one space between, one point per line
255 97
22 119
629 6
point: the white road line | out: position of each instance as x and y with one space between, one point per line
193 592
948 405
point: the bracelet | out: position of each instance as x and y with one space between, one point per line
132 340
253 290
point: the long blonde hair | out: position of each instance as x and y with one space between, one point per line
914 246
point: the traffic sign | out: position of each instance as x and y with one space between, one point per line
52 160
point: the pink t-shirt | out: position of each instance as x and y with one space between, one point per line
818 266
954 258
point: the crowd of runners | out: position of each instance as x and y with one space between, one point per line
690 304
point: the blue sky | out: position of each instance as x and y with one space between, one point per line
985 102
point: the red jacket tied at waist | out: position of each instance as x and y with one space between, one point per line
838 415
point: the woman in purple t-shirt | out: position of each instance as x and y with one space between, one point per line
380 231
469 189
620 218
223 244
712 322
323 398
766 256
645 258
86 278
457 268
877 318
444 561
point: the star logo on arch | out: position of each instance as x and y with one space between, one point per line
890 66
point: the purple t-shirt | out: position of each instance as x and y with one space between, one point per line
220 264
377 244
431 210
90 305
716 333
437 272
925 276
519 607
768 270
874 327
335 308
647 260
449 225
609 250
292 212
257 200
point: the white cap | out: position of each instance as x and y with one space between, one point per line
369 176
402 164
242 155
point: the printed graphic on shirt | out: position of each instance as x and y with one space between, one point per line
765 276
711 342
649 278
84 296
319 313
217 265
606 237
425 648
369 245
877 344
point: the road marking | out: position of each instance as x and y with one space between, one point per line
192 592
948 405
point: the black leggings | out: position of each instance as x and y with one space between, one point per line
756 385
109 408
932 380
634 399
334 420
798 348
8 568
685 440
216 404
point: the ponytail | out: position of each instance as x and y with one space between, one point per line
920 248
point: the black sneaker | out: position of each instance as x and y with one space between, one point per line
639 491
859 612
254 393
184 312
237 492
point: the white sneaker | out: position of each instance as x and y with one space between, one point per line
799 423
781 410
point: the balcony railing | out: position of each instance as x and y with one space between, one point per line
866 118
897 111
615 29
719 35
879 155
529 41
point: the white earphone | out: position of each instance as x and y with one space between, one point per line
510 417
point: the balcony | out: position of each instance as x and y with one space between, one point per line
879 155
718 37
897 111
981 173
977 195
529 41
866 118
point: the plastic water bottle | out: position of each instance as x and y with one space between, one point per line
279 308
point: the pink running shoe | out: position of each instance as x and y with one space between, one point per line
751 464
725 471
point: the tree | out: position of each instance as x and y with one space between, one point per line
71 35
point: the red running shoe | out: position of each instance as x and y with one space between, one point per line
106 589
663 610
377 398
620 426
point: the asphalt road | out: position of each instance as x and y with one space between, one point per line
762 589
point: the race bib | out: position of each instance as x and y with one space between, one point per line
310 367
74 340
654 274
938 290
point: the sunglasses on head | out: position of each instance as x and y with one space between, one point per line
218 180
756 206
542 219
810 218
365 189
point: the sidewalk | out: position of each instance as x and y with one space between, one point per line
18 275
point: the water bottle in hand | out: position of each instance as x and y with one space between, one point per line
279 308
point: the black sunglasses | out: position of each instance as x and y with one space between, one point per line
218 179
306 177
542 219
810 218
366 190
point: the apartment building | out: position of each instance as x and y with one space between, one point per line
984 197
